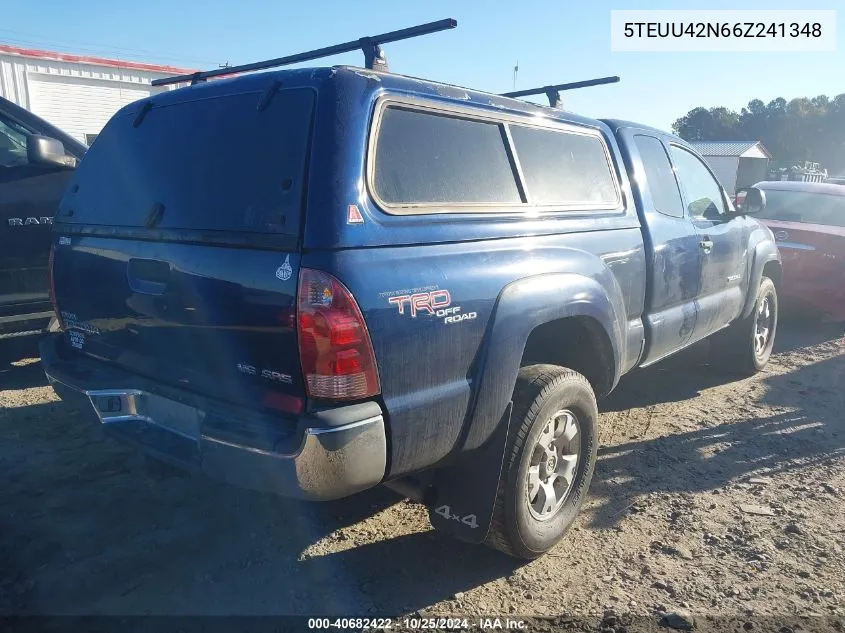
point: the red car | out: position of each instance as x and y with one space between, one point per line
808 220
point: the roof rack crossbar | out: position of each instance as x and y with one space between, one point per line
371 47
553 92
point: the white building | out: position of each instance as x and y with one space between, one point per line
76 93
735 163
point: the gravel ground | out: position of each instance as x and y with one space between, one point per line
716 496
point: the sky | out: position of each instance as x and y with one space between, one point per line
552 41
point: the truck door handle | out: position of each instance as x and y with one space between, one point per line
706 244
148 276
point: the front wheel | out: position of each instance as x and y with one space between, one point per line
748 343
549 460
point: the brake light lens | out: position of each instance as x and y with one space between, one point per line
334 345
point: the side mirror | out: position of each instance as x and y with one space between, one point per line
750 200
43 150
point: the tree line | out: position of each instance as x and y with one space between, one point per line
793 131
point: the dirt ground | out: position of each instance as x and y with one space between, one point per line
718 496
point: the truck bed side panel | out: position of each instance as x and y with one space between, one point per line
430 364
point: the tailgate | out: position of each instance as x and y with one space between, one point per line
213 319
176 254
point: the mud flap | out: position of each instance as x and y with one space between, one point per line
465 492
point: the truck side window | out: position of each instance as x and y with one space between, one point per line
430 159
703 192
564 168
12 144
660 176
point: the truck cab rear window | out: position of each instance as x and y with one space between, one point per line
659 176
429 159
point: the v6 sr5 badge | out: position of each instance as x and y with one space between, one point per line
434 304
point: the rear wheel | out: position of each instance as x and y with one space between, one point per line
549 460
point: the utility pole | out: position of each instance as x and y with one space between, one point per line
515 73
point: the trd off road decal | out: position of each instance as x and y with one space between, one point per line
431 301
428 302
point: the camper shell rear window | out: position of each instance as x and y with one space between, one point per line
213 163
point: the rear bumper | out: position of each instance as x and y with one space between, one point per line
322 455
26 322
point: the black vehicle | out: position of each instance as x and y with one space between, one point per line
36 161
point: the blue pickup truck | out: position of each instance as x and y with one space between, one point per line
316 281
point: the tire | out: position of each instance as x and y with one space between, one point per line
739 347
521 526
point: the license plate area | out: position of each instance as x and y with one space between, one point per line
174 416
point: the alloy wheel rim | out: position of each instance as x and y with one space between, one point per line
554 460
763 327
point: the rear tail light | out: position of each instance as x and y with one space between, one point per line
334 346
